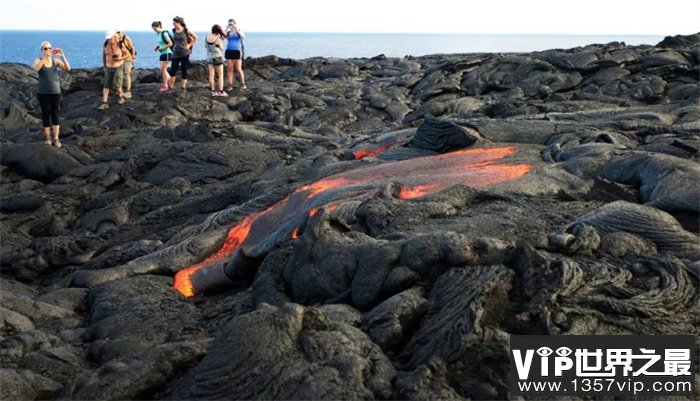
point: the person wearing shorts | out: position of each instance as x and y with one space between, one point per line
215 60
113 57
234 54
164 47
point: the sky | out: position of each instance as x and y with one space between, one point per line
580 17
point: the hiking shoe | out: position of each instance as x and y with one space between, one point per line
230 88
121 100
127 95
47 141
215 93
164 88
223 94
103 106
244 87
57 143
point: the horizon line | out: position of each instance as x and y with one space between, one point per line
384 33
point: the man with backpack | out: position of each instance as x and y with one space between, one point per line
113 63
130 53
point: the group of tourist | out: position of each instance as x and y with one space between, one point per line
220 45
119 56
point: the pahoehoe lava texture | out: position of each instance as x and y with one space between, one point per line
346 229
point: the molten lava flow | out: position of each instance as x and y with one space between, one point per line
362 153
418 177
323 185
417 191
234 238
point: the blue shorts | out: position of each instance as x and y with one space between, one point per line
166 57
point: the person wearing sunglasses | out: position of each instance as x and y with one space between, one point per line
49 90
234 53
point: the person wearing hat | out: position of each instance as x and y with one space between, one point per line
113 56
129 48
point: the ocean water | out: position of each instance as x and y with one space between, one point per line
84 48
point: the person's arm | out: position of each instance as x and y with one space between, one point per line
194 37
38 63
220 42
63 64
240 33
104 57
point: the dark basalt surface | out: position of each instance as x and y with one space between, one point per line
378 297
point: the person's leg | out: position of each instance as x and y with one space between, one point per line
45 116
164 72
55 101
220 73
128 64
238 65
109 80
211 77
185 62
174 66
120 79
229 72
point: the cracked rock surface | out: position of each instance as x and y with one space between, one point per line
373 294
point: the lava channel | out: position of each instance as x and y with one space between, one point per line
417 177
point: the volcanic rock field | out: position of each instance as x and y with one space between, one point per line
346 228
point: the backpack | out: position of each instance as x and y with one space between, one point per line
164 32
189 39
125 44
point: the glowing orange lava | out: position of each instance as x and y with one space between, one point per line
417 191
323 185
234 238
362 153
418 177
